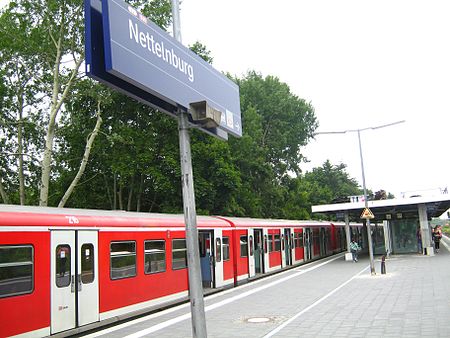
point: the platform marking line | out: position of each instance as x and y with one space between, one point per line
446 245
186 316
290 320
179 307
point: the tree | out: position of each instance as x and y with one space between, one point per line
45 42
287 122
276 124
19 66
328 183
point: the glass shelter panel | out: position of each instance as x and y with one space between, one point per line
404 235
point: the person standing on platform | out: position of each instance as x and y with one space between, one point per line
419 240
437 237
354 248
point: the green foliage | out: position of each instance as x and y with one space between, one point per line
286 122
159 11
202 51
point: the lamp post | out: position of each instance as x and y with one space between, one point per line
369 233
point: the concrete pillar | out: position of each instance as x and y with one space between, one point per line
348 255
425 230
387 237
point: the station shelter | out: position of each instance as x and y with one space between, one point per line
400 219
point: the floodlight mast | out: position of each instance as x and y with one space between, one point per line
190 217
366 204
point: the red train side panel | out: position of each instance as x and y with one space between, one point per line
28 312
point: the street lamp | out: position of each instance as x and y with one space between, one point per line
369 233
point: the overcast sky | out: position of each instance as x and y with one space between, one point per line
361 64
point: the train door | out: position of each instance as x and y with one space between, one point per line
251 253
292 244
87 289
259 251
218 261
307 243
287 247
206 258
266 250
74 279
323 248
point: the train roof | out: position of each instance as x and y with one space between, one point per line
255 222
15 215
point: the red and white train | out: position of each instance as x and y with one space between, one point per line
67 269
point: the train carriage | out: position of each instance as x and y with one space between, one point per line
96 265
69 269
265 246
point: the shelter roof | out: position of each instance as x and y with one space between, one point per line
404 207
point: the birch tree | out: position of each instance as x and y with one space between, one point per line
62 21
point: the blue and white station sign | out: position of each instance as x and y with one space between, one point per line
149 64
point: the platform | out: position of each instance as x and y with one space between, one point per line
330 298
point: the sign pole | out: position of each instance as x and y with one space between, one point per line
190 217
369 231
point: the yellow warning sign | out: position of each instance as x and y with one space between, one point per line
367 214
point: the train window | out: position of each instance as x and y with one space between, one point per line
250 244
218 250
244 246
16 270
179 254
299 240
270 242
63 265
277 243
87 263
202 245
123 259
226 248
155 256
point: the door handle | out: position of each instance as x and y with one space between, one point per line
79 282
72 284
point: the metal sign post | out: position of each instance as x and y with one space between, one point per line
129 53
369 231
190 217
369 213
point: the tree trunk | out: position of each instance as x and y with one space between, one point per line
115 191
20 151
108 192
139 195
120 196
55 107
130 195
3 193
85 159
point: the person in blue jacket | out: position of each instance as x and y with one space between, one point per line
354 248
